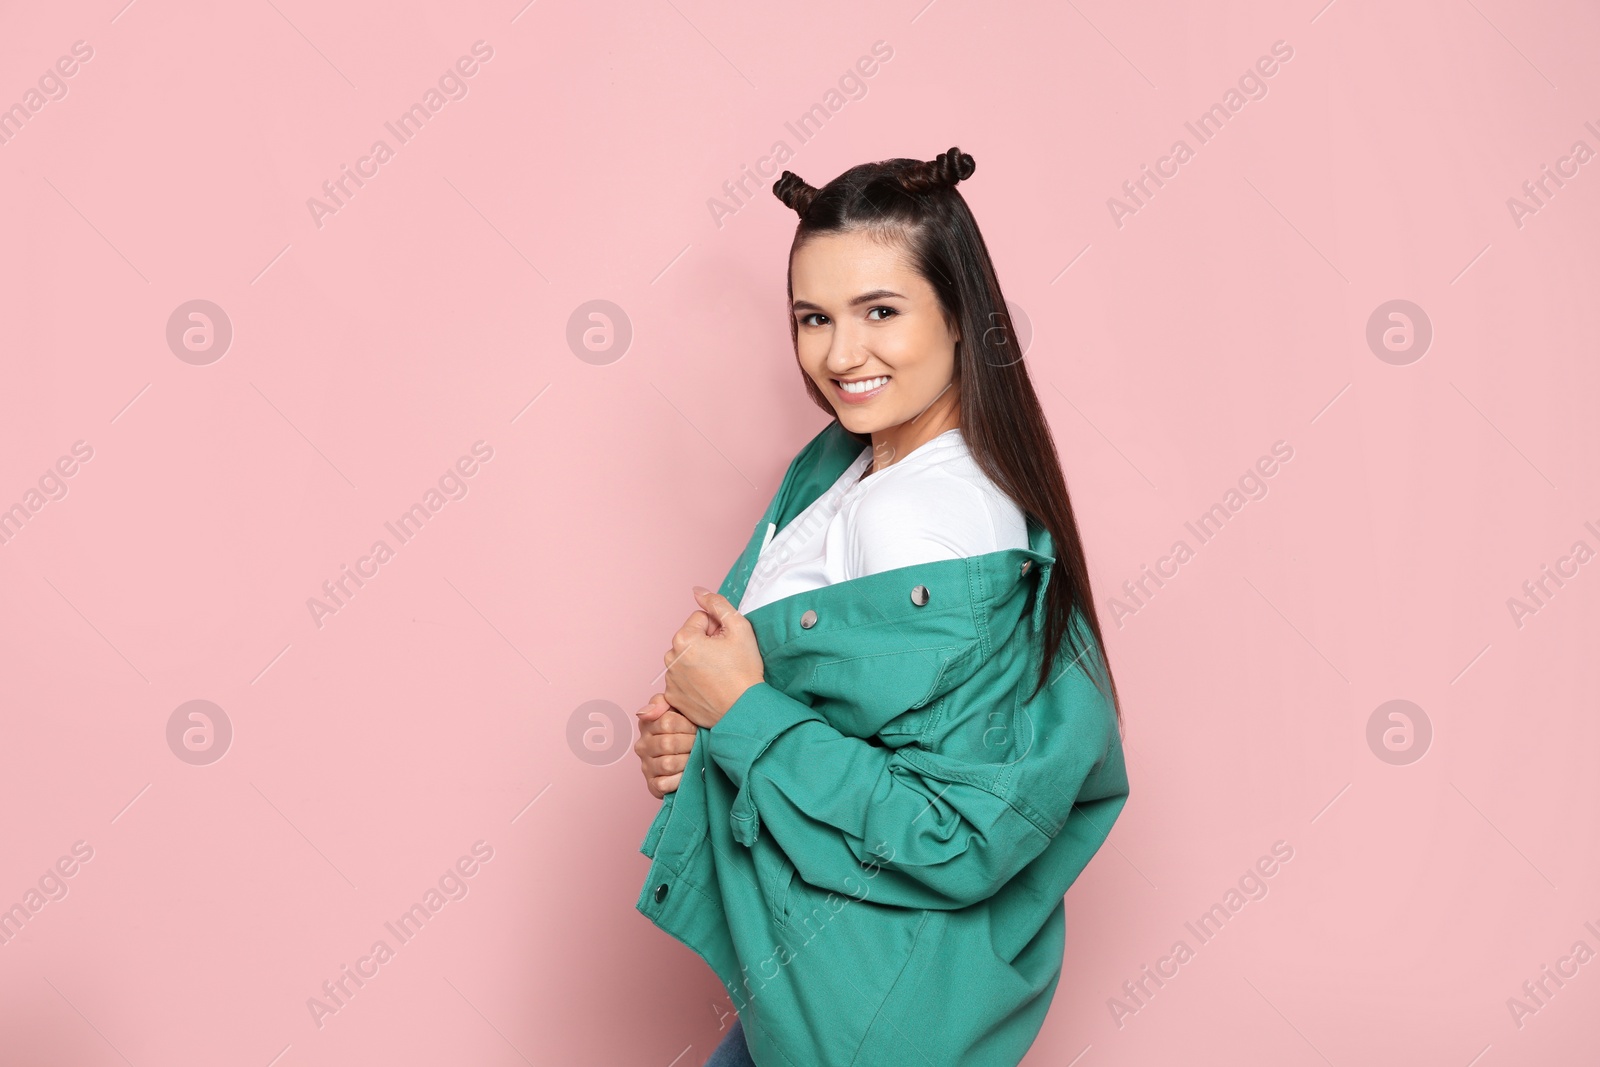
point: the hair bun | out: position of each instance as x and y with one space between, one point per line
954 166
943 170
794 191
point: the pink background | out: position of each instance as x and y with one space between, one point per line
435 708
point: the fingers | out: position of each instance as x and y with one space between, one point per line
655 709
663 747
675 651
671 721
713 623
662 744
657 766
718 606
662 773
659 716
698 624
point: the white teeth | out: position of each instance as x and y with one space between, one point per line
863 387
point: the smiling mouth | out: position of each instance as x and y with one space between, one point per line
864 385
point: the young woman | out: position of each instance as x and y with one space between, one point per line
891 742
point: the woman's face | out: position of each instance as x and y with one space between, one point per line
863 316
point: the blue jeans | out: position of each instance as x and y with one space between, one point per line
732 1051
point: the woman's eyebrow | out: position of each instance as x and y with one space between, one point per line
864 298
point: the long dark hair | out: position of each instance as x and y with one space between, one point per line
915 203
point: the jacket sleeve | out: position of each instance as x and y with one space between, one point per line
915 828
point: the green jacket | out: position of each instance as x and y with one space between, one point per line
871 847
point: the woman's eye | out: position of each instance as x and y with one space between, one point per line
805 320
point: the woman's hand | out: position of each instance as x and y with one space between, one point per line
665 739
712 661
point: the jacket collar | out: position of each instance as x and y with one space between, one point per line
978 581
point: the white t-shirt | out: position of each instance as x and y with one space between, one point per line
936 503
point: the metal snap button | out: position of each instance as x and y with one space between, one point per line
661 892
1025 565
919 595
808 620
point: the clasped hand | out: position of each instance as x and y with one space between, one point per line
714 658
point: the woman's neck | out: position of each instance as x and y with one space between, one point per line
891 445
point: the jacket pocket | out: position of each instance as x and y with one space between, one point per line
774 873
890 695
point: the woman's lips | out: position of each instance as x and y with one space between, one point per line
858 398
